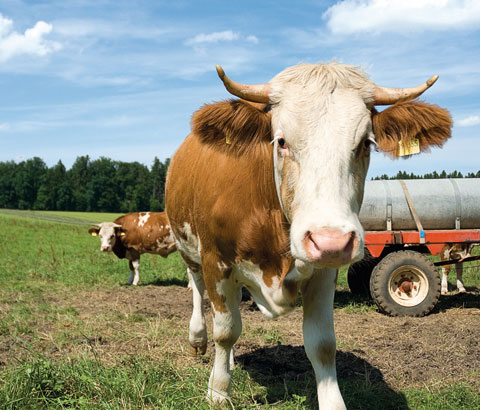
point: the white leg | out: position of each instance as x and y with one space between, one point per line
197 334
227 326
445 271
190 280
136 272
319 336
459 269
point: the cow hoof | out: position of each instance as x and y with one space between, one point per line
444 292
194 350
462 290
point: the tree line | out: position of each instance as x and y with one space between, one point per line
430 175
105 185
101 185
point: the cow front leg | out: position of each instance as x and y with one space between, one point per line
319 336
190 279
134 272
459 269
227 326
445 272
197 333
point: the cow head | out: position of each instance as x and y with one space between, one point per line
324 125
108 232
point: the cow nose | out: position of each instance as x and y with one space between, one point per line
330 246
104 248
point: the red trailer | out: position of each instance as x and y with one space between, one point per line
396 272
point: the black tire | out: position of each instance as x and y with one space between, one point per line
358 275
405 283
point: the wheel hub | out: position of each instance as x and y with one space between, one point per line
408 285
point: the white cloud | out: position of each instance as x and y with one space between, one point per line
219 36
32 42
469 121
376 16
213 37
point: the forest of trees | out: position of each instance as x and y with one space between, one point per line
103 185
100 185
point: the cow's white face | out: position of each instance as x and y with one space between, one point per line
107 236
322 136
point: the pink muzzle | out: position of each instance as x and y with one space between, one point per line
330 246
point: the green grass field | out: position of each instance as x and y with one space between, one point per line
52 354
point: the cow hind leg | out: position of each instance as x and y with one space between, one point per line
445 272
319 336
197 334
459 269
227 326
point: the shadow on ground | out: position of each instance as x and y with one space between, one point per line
166 282
285 371
469 300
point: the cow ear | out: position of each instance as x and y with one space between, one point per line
93 231
411 127
120 232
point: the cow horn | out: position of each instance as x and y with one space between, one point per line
255 93
117 225
388 96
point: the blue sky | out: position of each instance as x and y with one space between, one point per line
122 78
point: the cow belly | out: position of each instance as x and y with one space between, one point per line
273 300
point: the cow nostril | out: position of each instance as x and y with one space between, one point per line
310 238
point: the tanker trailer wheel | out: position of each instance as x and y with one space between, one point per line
358 275
405 283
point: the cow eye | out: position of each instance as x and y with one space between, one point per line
282 143
368 143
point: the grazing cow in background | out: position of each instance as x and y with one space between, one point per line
265 194
455 251
131 235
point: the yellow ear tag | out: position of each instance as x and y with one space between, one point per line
228 140
413 147
123 234
94 234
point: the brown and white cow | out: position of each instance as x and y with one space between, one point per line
266 193
455 251
134 234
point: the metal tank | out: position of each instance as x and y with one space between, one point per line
439 203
